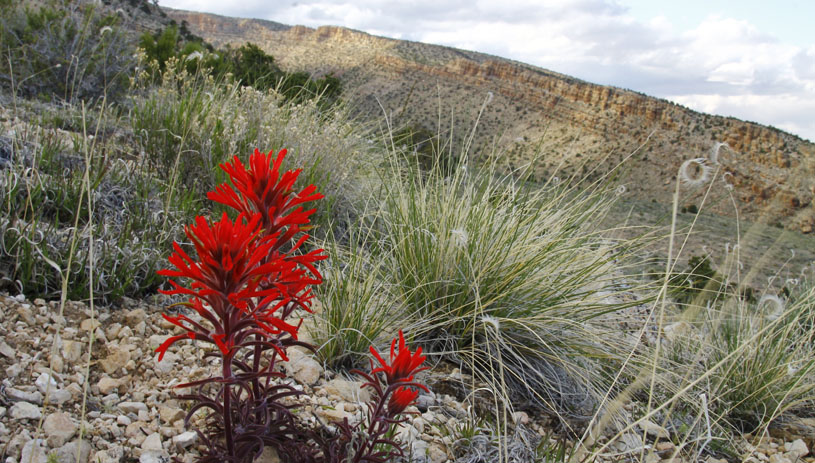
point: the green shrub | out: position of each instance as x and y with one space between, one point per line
47 229
160 46
67 52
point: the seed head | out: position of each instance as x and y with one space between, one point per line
694 172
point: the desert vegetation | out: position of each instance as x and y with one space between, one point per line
563 330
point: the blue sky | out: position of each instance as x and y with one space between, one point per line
751 59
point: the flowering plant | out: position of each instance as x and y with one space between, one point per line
249 277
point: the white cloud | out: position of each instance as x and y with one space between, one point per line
723 65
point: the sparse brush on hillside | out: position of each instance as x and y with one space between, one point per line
63 51
148 166
247 65
190 123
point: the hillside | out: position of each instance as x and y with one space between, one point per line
573 124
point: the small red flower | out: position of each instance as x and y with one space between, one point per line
403 364
401 399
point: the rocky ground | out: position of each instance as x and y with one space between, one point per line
130 414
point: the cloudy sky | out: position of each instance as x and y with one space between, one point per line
752 59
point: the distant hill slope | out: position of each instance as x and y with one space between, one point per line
576 125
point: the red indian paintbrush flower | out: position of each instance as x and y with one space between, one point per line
403 364
261 189
231 261
242 282
228 254
401 399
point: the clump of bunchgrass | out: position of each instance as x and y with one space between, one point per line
356 301
509 278
762 359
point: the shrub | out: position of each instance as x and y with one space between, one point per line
67 52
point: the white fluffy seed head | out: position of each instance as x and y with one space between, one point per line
460 237
694 172
494 322
714 152
775 306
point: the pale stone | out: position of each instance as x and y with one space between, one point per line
303 368
132 407
134 317
156 340
114 454
23 396
154 456
185 439
170 415
112 331
152 442
15 446
71 350
654 430
7 350
350 391
418 448
59 428
59 396
116 359
779 458
332 415
796 449
520 417
25 312
89 324
25 411
67 453
46 382
167 364
135 431
125 333
14 370
436 454
57 364
34 451
108 385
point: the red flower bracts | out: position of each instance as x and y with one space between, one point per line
249 276
401 399
403 364
261 189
